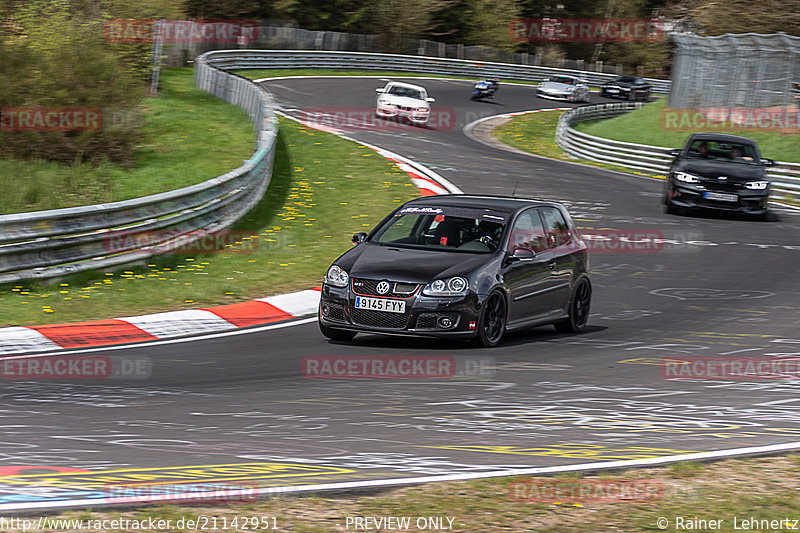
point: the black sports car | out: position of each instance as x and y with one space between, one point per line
718 171
627 87
470 267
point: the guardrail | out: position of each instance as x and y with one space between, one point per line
53 243
654 159
292 59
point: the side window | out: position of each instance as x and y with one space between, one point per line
555 226
528 232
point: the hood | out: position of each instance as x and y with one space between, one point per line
404 101
374 261
712 169
556 86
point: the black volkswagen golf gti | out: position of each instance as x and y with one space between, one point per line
455 266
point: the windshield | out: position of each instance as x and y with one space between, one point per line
723 151
625 79
455 229
563 79
406 92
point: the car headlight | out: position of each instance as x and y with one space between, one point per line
756 185
336 277
457 286
687 178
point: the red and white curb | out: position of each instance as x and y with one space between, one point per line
132 329
23 339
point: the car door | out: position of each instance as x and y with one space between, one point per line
559 256
527 278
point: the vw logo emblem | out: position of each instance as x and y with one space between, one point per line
383 287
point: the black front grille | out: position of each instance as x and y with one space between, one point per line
368 287
722 186
379 319
335 312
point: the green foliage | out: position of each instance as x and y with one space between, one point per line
56 58
738 16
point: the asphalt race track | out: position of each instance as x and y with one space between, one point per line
236 407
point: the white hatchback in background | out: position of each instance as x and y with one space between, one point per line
403 100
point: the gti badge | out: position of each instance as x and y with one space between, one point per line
383 287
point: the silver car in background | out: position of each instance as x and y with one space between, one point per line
564 87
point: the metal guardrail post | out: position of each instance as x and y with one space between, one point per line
53 243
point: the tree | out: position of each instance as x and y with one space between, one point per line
488 21
738 16
397 20
55 56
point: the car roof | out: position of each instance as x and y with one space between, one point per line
500 203
725 137
406 85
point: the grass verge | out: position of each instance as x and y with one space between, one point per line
535 133
189 136
644 126
323 190
748 489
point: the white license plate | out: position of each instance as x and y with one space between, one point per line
380 304
614 91
720 196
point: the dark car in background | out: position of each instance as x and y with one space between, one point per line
627 87
462 267
720 172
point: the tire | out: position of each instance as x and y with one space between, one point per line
579 304
492 323
336 334
671 209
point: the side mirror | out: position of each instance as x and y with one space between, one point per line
359 237
430 100
768 162
522 254
675 152
380 89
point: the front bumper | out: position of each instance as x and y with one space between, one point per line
752 202
423 315
570 97
416 117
